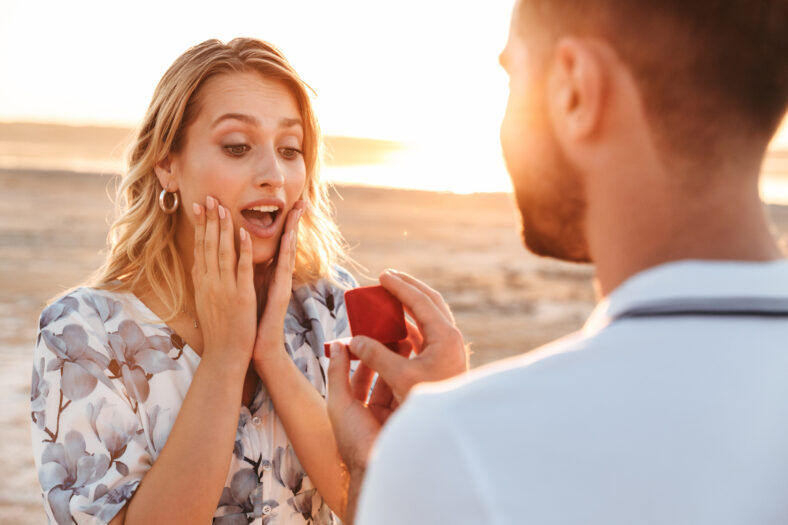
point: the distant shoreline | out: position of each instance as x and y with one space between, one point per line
781 209
108 143
62 174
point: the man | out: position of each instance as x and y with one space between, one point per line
634 136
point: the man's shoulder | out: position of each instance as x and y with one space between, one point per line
449 428
504 375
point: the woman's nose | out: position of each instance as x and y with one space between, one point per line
268 171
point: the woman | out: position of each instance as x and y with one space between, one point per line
139 375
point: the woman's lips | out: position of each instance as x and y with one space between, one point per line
263 218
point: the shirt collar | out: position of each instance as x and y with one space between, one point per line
693 285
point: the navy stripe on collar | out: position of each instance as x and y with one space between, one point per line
710 306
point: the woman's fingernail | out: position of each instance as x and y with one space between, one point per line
210 202
222 212
197 209
334 349
243 234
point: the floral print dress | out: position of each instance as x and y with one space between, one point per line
109 378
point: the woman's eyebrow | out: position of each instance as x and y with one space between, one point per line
236 116
249 119
290 122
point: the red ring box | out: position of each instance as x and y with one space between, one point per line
372 311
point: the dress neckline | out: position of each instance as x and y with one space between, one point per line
156 320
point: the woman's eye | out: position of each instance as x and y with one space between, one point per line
236 150
290 153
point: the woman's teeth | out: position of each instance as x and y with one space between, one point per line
266 209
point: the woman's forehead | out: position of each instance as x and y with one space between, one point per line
256 99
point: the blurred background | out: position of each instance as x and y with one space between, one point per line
409 96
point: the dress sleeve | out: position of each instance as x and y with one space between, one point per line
420 473
315 315
342 324
88 441
346 282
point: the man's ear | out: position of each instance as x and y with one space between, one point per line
576 88
165 173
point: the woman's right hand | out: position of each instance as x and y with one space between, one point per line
223 288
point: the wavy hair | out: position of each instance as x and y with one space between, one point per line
141 241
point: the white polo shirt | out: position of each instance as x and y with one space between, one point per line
670 406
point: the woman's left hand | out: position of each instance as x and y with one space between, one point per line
270 340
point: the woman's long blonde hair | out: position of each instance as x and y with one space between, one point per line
141 242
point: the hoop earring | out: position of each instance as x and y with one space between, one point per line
163 201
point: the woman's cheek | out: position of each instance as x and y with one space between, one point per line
297 185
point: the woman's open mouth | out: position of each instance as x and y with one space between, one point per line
261 220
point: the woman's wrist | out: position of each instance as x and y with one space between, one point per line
225 367
272 362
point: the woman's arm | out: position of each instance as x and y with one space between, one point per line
304 416
186 481
297 403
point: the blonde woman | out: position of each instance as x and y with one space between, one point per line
157 395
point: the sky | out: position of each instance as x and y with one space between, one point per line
374 66
418 71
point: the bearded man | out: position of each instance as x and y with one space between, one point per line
634 136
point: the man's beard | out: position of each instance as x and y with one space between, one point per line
551 198
557 232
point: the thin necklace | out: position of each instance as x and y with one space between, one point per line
192 318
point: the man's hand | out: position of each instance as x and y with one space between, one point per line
439 346
358 415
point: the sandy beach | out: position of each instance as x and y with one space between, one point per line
52 232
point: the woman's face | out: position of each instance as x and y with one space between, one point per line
244 149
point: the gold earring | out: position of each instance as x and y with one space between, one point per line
176 200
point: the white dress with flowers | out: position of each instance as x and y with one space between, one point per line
109 378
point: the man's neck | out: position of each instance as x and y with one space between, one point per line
657 225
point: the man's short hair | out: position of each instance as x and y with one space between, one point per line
704 67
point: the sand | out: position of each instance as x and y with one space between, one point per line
506 301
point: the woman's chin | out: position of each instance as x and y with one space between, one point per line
263 254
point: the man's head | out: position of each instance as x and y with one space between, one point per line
710 79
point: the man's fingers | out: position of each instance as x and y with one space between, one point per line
415 338
390 366
404 348
361 382
382 395
434 296
423 310
339 392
